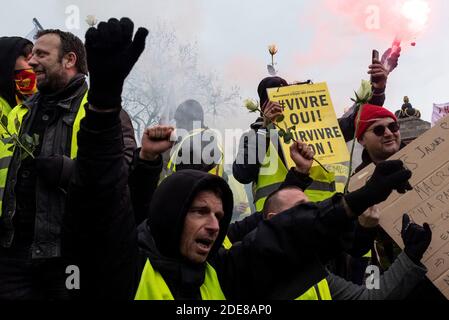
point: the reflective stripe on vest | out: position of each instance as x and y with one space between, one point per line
319 291
15 119
171 166
152 285
227 244
323 187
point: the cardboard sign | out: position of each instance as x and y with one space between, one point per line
309 108
428 159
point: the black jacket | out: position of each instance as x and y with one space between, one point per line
286 252
48 202
10 49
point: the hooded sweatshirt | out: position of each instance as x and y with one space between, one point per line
10 49
160 235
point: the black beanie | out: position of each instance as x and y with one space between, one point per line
267 83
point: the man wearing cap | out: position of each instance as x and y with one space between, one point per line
379 133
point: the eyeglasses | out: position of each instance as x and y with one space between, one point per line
380 130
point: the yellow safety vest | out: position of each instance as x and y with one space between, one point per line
320 291
171 167
227 244
15 119
325 184
5 108
152 285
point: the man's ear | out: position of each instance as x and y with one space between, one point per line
270 215
69 60
362 140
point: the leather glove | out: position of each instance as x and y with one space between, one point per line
55 171
416 239
111 55
388 176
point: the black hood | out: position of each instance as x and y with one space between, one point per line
267 83
170 203
10 49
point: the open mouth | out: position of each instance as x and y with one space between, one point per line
205 244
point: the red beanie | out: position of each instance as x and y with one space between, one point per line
370 114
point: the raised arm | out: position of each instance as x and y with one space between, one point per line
100 223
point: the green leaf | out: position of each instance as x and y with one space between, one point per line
11 148
4 121
271 127
23 155
28 139
281 133
17 124
7 140
287 139
280 118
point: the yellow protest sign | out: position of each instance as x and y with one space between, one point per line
309 109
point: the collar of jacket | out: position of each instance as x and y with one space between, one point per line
258 124
64 97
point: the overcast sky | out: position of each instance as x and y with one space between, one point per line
324 40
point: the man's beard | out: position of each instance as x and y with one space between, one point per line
51 84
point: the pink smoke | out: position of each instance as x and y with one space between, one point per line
405 19
335 24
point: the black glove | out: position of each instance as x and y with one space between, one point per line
55 171
416 239
388 176
111 54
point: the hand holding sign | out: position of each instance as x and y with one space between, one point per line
272 112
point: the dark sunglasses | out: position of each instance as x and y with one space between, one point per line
380 130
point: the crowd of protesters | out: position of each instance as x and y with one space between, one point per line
159 223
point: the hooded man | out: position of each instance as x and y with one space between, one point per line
175 253
17 78
198 147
